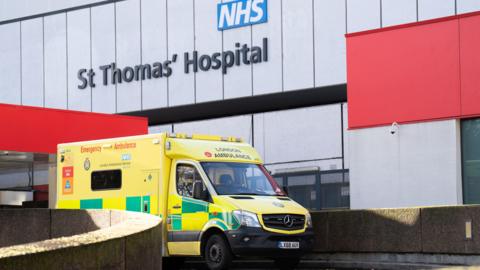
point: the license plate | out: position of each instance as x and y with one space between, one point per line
289 245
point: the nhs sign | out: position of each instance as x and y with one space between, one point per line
239 13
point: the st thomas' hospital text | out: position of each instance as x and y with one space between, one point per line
193 62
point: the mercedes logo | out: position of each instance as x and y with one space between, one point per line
288 221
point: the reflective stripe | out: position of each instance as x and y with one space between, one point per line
91 204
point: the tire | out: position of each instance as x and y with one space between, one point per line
218 255
286 263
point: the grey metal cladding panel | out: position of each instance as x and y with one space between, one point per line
78 42
238 80
10 63
330 44
398 12
259 133
237 126
181 86
208 40
431 9
154 49
346 134
103 53
32 62
21 8
362 15
160 129
298 60
304 134
464 6
55 40
267 76
128 53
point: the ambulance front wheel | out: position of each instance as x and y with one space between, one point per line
218 255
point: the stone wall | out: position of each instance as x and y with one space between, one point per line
79 239
429 230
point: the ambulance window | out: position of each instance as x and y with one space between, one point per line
102 180
186 176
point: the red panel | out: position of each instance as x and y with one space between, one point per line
31 129
403 75
470 64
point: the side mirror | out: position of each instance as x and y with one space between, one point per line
198 191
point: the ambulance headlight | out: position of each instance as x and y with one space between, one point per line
247 219
308 220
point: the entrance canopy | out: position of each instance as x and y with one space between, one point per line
39 130
28 143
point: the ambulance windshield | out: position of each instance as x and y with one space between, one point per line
230 178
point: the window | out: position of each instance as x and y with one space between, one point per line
334 189
102 180
471 161
186 176
230 178
317 189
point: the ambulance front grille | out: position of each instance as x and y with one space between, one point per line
289 222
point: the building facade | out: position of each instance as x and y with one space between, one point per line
272 72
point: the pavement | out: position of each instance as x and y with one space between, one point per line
251 264
195 264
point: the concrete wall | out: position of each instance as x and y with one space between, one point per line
79 239
431 230
418 165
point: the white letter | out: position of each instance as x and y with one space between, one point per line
226 14
243 12
257 9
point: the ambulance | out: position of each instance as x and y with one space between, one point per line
213 194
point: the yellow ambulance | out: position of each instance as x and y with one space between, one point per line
214 195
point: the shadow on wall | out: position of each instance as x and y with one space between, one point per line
21 226
80 239
441 230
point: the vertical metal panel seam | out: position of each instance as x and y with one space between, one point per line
166 41
21 64
343 136
346 16
381 13
43 60
252 129
141 55
223 48
313 39
417 10
66 53
91 53
115 34
456 7
281 38
251 64
194 48
264 132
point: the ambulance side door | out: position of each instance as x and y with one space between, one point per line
186 215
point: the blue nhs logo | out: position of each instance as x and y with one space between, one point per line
240 13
